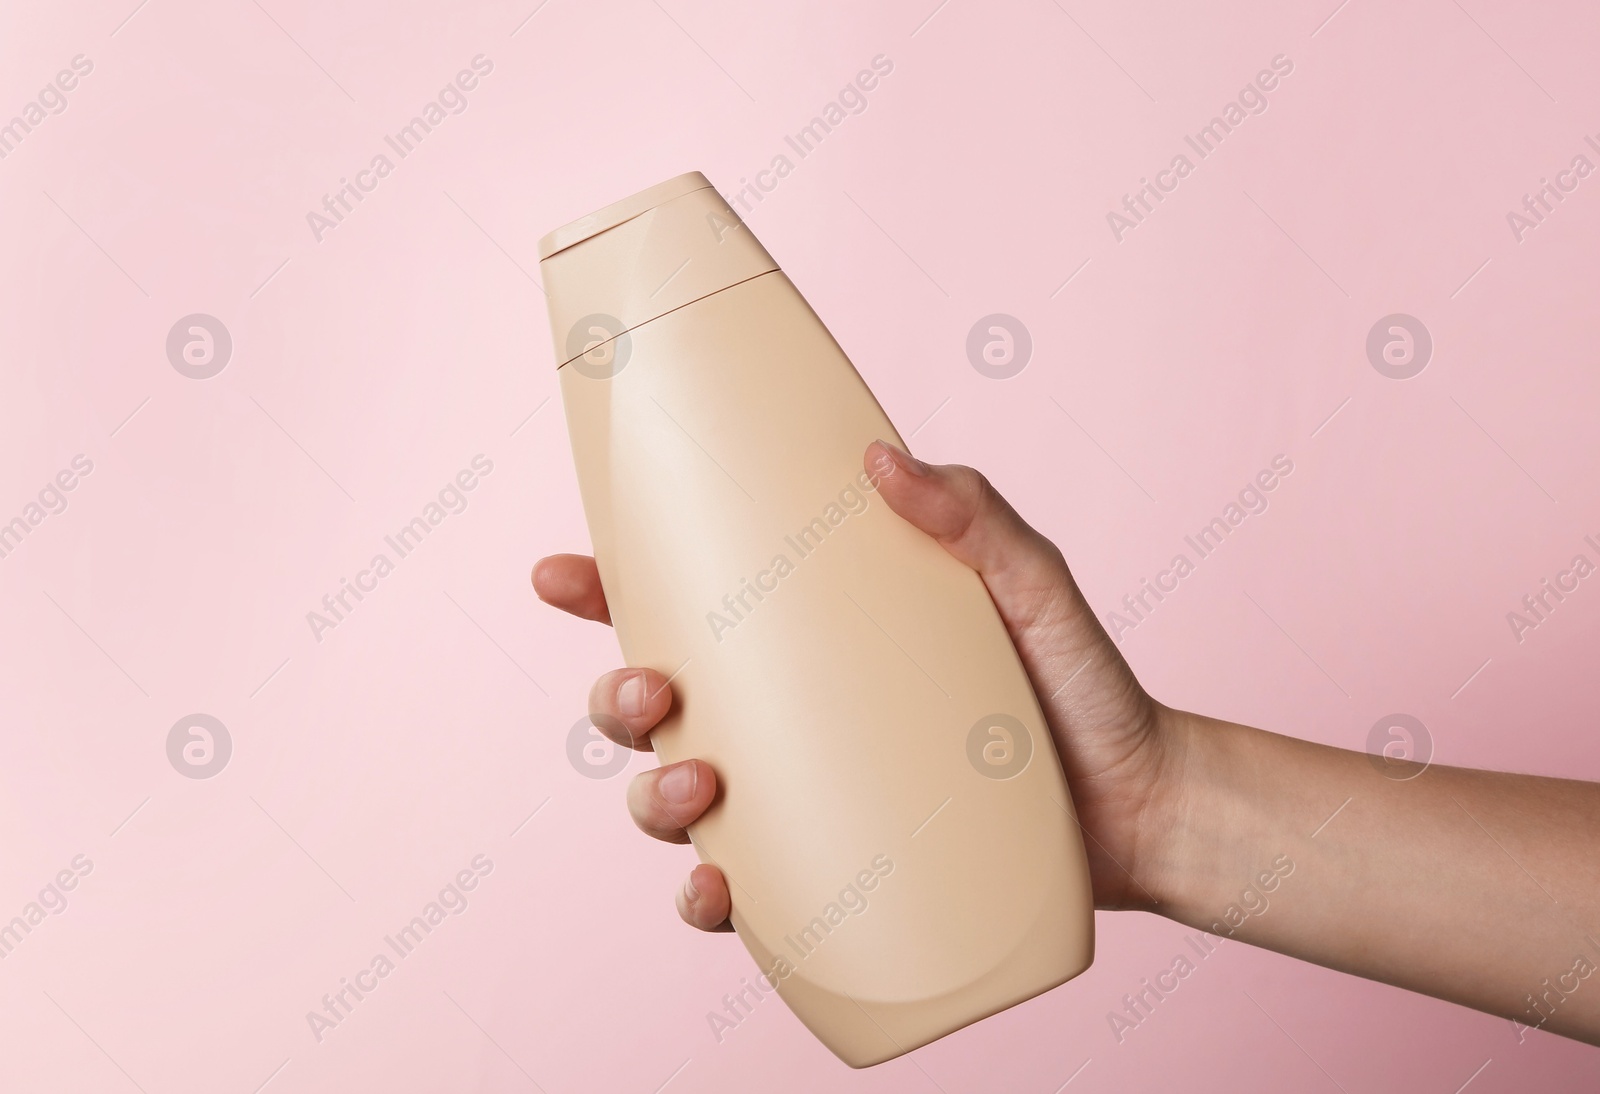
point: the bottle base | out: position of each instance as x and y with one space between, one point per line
866 1032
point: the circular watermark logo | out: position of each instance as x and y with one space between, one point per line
999 346
1400 747
999 746
198 746
593 754
598 346
1399 346
199 346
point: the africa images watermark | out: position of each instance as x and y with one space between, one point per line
737 605
52 899
999 746
1399 746
51 500
592 747
1538 605
1138 1007
852 100
199 346
339 1004
1547 998
52 99
1252 99
1538 204
199 746
452 99
999 346
1399 346
450 501
851 901
1138 606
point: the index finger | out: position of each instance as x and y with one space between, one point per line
571 583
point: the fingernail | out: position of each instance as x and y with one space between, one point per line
630 695
905 459
678 783
882 464
690 893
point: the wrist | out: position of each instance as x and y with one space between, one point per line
1220 816
1188 814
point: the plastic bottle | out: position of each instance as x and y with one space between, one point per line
897 835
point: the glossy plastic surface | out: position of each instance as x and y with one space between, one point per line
894 825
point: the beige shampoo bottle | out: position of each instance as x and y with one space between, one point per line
896 832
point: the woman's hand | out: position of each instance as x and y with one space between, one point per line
1110 734
1478 887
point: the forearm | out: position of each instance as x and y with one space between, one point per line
1476 887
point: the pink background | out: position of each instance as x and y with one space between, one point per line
368 369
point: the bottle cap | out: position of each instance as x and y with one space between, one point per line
641 257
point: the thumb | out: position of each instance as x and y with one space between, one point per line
1052 626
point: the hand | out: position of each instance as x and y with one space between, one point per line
1113 739
1493 885
625 705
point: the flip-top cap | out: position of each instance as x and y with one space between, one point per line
641 257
